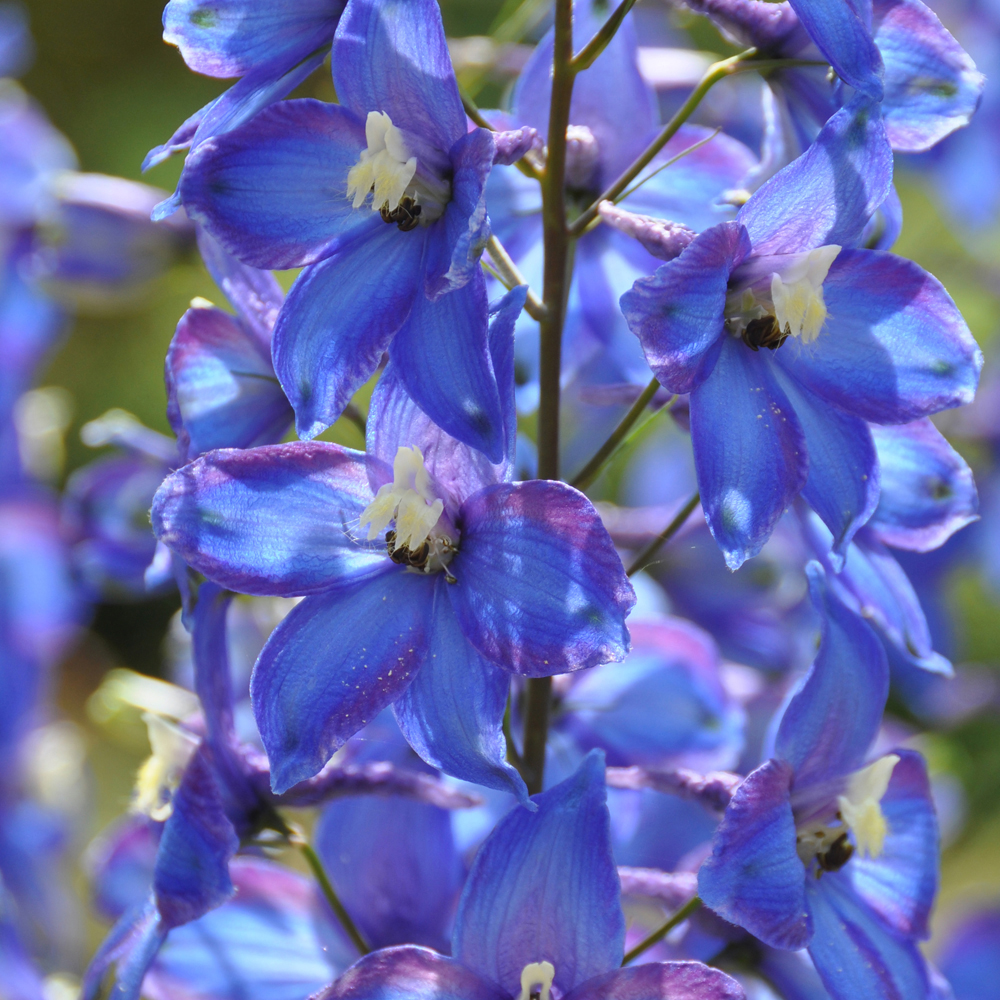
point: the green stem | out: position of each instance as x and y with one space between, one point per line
536 732
313 860
584 59
507 271
593 468
661 932
646 556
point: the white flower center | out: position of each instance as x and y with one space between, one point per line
420 539
160 775
536 981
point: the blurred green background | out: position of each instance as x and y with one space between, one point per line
115 89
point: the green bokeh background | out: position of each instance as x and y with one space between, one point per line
109 83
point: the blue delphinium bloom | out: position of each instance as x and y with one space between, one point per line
397 271
478 577
613 117
970 958
822 847
851 336
541 912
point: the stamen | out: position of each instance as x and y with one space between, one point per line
385 168
161 773
533 975
797 294
860 806
408 500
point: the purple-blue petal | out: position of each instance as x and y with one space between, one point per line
333 664
829 193
391 56
832 720
275 520
540 588
441 355
340 318
678 312
273 191
411 973
895 347
749 450
452 712
753 877
928 492
667 980
543 887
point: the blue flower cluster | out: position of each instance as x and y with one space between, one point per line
530 743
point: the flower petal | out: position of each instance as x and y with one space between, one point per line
273 191
272 520
832 720
412 972
754 877
928 492
667 980
854 953
333 664
678 312
338 320
441 355
452 713
391 56
829 193
540 587
895 346
543 887
749 450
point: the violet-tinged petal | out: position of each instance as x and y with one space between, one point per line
540 588
276 520
221 388
543 887
664 980
212 677
191 875
391 56
842 484
749 450
254 294
134 966
120 864
411 973
665 240
895 347
513 144
441 355
900 885
678 312
339 319
829 193
233 37
269 943
333 664
273 191
395 867
673 889
452 713
886 224
133 924
854 953
832 720
932 86
459 239
971 956
928 491
754 877
846 41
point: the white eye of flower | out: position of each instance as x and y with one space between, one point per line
160 775
536 981
386 165
797 294
860 807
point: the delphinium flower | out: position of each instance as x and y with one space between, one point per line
823 847
212 794
789 339
540 914
380 199
613 118
429 577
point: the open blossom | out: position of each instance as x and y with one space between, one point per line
380 197
429 576
824 848
789 339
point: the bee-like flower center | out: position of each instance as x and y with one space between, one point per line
401 192
860 822
786 302
422 538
